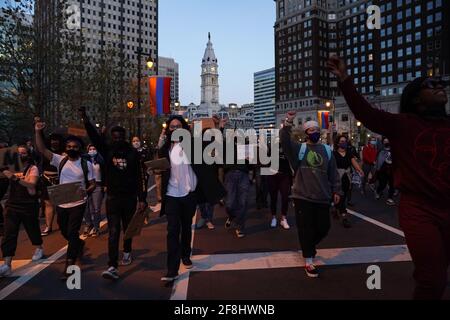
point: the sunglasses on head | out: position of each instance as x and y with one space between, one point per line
432 83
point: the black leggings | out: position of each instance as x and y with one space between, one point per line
14 217
386 179
345 185
280 182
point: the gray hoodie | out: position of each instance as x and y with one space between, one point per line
316 176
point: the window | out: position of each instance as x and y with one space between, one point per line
400 53
344 117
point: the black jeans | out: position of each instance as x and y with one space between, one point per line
280 182
313 224
346 189
386 179
69 221
119 211
180 212
28 215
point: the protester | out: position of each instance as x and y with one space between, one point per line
316 185
22 207
280 182
369 158
184 186
419 140
125 185
385 173
345 160
71 168
92 215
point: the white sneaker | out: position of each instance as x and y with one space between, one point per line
273 224
390 202
126 259
284 224
38 254
210 225
111 274
5 270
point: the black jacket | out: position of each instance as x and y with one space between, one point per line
120 180
209 189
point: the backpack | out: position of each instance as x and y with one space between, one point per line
303 149
84 167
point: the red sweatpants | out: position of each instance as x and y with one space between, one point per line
427 233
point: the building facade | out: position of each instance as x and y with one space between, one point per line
169 68
264 99
110 34
210 80
411 43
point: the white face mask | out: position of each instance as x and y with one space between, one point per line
136 145
92 153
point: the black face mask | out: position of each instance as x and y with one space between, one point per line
73 153
120 145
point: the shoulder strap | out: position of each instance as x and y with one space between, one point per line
302 152
84 167
62 164
328 150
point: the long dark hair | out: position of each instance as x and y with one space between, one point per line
336 141
410 92
184 125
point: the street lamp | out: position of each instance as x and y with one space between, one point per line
130 105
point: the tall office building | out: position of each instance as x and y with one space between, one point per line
264 99
169 68
109 32
411 42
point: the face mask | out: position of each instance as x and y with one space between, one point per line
73 153
314 137
387 145
136 145
343 145
92 153
374 143
24 158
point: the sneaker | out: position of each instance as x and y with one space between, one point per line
111 274
228 223
346 223
273 223
222 203
201 223
5 270
284 224
169 278
38 254
46 231
311 271
390 202
350 204
94 233
239 233
187 263
377 196
396 193
126 259
87 230
210 225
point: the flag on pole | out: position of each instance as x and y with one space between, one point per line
324 120
159 95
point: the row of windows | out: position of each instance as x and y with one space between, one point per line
132 3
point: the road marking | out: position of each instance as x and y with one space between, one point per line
29 272
180 286
289 259
377 223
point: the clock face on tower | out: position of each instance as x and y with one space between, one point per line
213 69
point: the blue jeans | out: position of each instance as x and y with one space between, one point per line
237 185
92 214
207 211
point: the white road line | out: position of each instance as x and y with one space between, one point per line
377 223
180 286
293 259
33 270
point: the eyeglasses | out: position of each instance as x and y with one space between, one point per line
433 83
175 127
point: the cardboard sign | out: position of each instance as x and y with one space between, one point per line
159 164
65 193
207 123
10 160
137 222
79 132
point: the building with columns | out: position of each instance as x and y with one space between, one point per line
210 80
